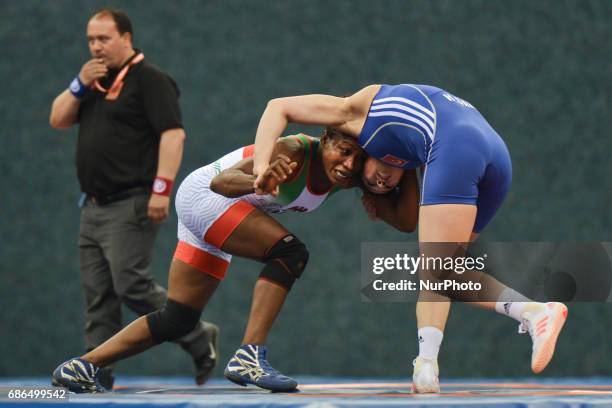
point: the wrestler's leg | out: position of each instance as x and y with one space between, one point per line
441 223
262 238
187 286
254 238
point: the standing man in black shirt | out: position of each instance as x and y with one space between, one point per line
129 151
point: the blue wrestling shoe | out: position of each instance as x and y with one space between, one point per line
249 366
78 376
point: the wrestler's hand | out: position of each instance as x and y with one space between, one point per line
158 208
369 204
277 173
259 175
92 70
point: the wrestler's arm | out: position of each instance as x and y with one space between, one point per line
322 110
238 180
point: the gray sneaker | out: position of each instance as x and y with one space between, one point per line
106 378
204 350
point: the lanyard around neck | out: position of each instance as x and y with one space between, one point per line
113 92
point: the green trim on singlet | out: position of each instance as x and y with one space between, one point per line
288 192
217 167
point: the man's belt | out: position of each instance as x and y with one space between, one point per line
122 195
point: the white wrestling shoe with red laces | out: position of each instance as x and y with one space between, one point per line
543 323
425 376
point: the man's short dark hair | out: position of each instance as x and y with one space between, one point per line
122 21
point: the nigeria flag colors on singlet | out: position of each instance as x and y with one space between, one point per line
294 196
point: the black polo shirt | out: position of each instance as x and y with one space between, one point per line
118 144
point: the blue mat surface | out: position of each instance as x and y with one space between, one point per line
329 392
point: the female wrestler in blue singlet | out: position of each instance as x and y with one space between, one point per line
467 174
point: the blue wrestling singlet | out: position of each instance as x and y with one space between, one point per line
466 161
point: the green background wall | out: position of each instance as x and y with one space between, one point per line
540 72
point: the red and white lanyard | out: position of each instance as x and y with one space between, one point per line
113 92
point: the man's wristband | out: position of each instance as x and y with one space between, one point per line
162 186
77 88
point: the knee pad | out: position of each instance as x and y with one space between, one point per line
172 322
285 261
